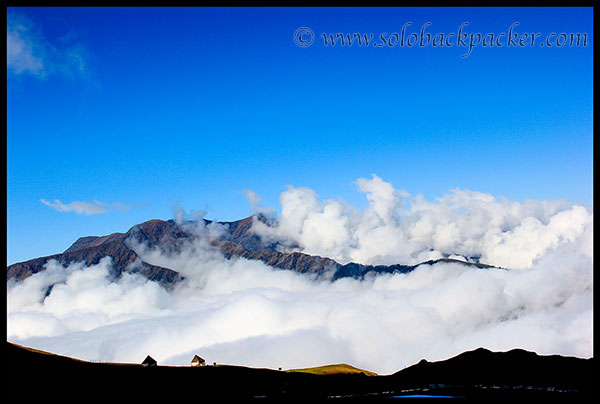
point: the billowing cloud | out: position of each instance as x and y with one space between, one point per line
397 228
243 312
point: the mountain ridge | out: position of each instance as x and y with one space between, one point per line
234 239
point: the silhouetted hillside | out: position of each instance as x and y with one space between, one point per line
474 374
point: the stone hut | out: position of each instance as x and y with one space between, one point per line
198 361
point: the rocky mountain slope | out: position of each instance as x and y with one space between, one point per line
234 239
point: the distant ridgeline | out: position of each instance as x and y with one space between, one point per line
236 241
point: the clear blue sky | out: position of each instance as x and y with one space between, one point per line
143 109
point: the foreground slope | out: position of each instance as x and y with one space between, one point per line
473 374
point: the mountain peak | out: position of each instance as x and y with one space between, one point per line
92 241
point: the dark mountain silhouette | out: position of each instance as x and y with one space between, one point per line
235 240
479 374
481 369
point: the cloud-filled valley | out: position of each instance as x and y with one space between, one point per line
243 312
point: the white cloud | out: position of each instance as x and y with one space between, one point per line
256 203
81 208
30 52
397 228
121 206
25 51
243 312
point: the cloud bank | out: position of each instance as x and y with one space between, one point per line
243 312
399 228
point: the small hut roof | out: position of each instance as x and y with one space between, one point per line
196 358
149 361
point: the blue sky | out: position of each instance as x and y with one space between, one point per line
133 111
